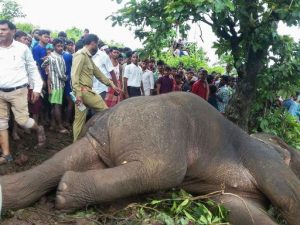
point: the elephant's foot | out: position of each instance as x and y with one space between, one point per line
72 192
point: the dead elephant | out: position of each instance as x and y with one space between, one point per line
148 144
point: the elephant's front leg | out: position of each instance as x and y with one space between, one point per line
77 190
22 189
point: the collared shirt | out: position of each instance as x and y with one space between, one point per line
148 81
134 74
17 67
103 62
224 93
166 84
57 70
83 71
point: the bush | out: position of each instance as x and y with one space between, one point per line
280 123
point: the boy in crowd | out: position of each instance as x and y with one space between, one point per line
133 74
165 83
39 54
148 79
56 82
111 97
68 57
201 87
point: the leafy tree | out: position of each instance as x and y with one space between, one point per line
26 27
10 10
74 33
246 29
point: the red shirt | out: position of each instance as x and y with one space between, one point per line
200 88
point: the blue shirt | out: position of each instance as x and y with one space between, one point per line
68 61
39 53
291 106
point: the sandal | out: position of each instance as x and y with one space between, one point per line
5 159
41 136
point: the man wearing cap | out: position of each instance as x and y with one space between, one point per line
17 65
82 73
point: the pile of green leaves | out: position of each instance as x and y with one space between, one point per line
280 123
179 209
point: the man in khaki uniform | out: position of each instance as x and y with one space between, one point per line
83 71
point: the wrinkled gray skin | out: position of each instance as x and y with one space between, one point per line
148 144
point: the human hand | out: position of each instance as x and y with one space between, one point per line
34 97
78 100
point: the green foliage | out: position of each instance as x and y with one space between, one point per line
74 33
280 123
191 61
10 10
281 78
180 209
26 27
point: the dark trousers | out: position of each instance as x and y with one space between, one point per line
134 91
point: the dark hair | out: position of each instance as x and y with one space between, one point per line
160 63
204 72
145 61
210 79
10 25
35 30
225 78
62 34
168 68
114 48
57 41
178 77
152 60
69 42
86 30
213 89
20 34
91 38
43 32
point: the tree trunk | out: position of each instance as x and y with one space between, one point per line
239 108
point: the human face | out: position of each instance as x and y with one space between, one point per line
160 69
134 59
93 48
45 39
36 35
115 54
70 48
144 65
6 34
58 48
23 40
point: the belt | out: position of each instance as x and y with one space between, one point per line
14 88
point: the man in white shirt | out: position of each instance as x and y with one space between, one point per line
103 62
148 78
16 67
133 75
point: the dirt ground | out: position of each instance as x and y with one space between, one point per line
43 212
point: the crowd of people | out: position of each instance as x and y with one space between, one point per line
59 83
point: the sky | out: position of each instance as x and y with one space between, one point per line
63 14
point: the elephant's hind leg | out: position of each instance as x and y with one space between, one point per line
22 189
243 211
77 190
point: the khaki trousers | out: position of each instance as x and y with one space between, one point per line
90 100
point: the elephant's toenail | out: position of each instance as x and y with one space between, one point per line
63 187
60 201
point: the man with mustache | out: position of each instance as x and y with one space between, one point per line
82 73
